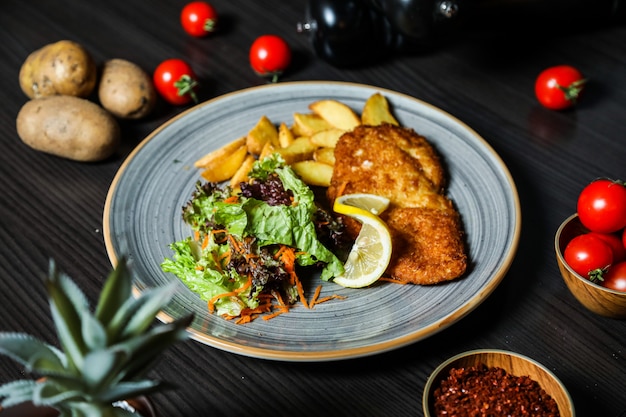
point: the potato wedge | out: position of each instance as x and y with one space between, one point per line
313 172
376 111
226 150
223 169
285 135
242 172
264 131
327 138
336 113
325 156
300 150
267 150
306 124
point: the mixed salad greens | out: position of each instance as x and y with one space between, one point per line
248 246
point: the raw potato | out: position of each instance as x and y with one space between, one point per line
126 90
64 67
69 127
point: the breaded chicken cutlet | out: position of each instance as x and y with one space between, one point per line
399 164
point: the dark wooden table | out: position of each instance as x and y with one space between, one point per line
52 208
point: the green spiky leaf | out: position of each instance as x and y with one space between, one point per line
116 290
34 354
146 348
104 356
130 389
67 304
16 392
49 393
150 303
93 332
102 367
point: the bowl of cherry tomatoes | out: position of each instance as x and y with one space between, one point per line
590 248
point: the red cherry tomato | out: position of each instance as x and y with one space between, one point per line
588 256
175 80
270 56
601 206
615 278
558 88
615 242
198 18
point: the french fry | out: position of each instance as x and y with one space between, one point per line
264 131
308 146
223 169
224 151
313 172
300 150
306 124
242 173
336 113
325 156
327 138
376 111
285 135
267 150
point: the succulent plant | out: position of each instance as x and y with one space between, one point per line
104 355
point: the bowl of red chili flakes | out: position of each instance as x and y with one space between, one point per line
490 382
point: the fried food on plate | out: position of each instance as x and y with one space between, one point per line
401 165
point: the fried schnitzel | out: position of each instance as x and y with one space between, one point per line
399 164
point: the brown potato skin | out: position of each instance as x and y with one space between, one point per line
126 90
64 67
69 127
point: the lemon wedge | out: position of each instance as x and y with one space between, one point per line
371 252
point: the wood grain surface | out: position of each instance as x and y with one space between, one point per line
52 207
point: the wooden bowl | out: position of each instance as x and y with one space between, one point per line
600 300
513 363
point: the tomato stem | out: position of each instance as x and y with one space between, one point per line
186 85
573 90
597 275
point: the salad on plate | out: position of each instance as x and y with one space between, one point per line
248 249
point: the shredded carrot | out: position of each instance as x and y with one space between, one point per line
301 293
330 297
196 235
270 305
235 245
249 314
288 256
205 241
215 232
316 295
216 262
231 199
212 301
274 314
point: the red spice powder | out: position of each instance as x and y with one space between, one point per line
481 391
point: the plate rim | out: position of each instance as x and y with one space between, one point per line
353 352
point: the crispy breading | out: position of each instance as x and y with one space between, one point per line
401 165
427 245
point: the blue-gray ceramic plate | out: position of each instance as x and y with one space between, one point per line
142 217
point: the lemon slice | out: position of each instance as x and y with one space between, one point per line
371 252
375 204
